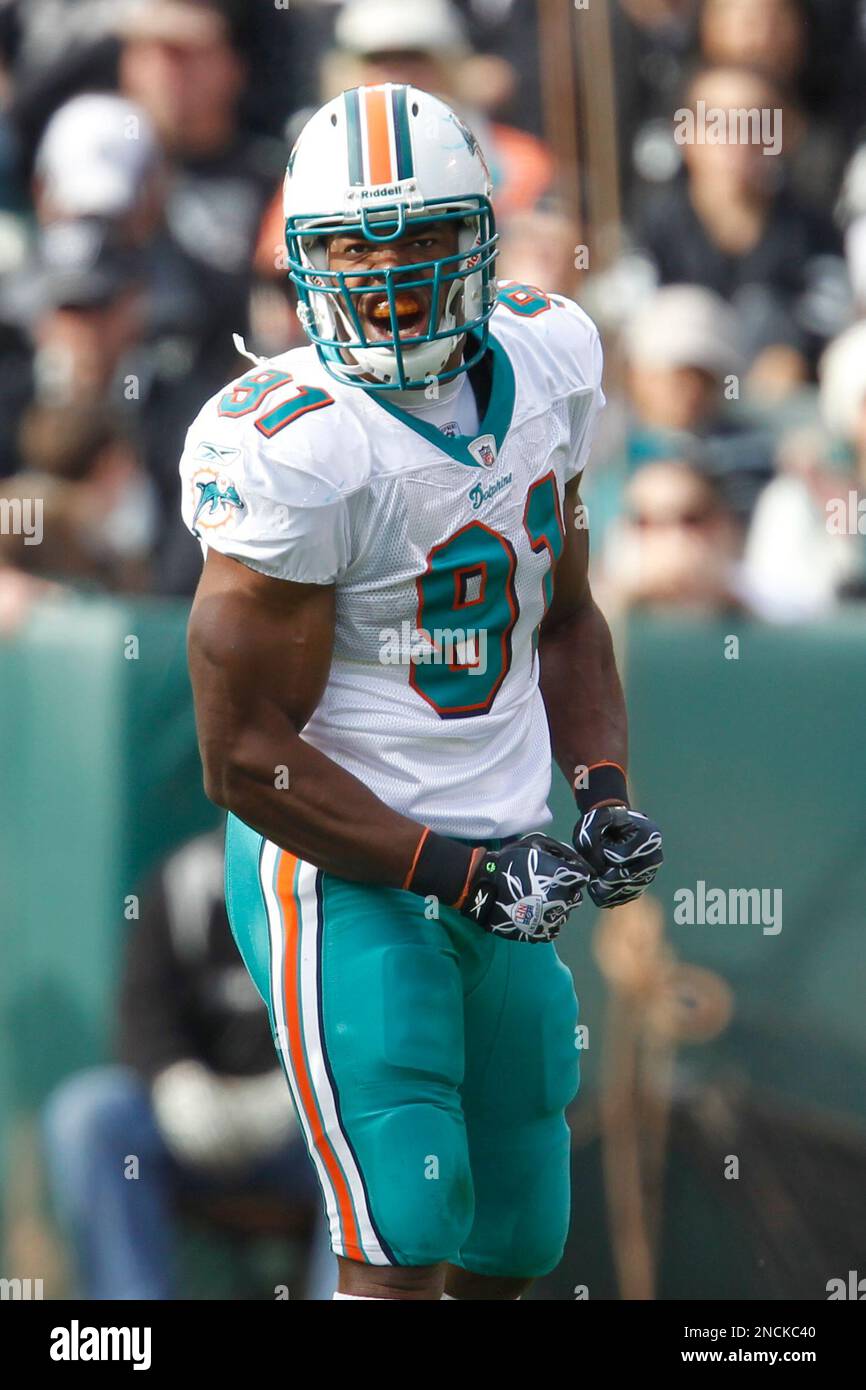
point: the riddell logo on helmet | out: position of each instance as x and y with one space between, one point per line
384 190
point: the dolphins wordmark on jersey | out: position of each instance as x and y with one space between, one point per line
441 550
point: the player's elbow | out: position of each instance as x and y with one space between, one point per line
226 778
218 784
241 771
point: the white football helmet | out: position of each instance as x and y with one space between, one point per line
371 161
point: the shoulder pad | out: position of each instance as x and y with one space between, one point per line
285 430
559 342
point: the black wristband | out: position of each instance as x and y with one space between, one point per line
604 782
441 869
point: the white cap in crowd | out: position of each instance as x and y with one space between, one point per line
189 23
411 26
95 156
684 326
843 382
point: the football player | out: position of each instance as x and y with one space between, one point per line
392 630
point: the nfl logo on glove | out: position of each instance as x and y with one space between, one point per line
528 912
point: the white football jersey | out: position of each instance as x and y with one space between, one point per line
440 549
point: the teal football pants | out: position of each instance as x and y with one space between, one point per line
430 1064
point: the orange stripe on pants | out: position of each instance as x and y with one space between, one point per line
286 868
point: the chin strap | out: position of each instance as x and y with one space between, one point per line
244 351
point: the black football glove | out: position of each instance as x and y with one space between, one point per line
526 890
624 851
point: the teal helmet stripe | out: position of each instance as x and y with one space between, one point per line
402 138
353 135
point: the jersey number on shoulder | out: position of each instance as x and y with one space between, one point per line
524 300
247 395
467 606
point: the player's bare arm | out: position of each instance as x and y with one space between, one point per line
588 725
579 680
259 657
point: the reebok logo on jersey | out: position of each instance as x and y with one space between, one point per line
222 454
478 495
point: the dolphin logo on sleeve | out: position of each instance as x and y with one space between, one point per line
217 498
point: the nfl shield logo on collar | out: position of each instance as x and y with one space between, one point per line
483 450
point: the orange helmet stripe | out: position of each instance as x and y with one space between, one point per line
380 162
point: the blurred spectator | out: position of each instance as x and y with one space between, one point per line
683 359
97 507
16 383
732 225
100 157
47 31
843 393
809 51
160 233
424 42
196 1102
160 193
540 248
88 309
807 546
79 311
653 52
682 347
179 61
508 29
676 547
851 212
56 49
97 195
768 36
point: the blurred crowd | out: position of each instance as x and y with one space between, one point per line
142 147
191 1125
